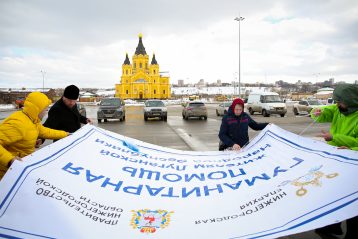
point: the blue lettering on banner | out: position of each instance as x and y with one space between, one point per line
172 177
179 191
125 150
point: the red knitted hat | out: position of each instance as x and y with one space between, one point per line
235 102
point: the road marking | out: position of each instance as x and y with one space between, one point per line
192 142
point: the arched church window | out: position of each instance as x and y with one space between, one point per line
155 91
127 72
135 65
154 71
140 65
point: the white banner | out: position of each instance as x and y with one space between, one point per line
91 185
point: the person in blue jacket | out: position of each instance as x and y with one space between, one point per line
235 125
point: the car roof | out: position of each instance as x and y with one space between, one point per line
110 98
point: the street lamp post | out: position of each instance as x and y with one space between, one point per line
43 80
234 83
316 74
239 19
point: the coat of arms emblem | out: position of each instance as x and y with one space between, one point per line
148 221
313 177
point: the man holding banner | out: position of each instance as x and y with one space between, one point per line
344 134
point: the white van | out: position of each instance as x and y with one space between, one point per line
266 103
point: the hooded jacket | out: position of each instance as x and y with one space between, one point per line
19 132
344 126
234 129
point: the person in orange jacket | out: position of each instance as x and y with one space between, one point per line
19 131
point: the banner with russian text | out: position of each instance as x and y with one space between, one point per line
98 184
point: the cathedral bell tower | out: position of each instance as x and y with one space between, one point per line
140 80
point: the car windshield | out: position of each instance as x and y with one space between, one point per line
154 103
272 98
110 102
314 102
227 104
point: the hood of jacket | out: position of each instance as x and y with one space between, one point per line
348 94
35 103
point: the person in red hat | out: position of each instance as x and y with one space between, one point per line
235 125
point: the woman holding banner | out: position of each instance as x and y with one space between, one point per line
19 131
235 125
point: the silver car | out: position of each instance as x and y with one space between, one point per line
81 108
111 108
305 106
155 109
223 108
194 109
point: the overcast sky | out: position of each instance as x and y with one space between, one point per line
84 42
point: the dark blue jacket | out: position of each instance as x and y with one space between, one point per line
234 129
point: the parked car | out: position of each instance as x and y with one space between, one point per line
223 108
81 108
111 108
194 109
266 103
155 109
305 106
330 101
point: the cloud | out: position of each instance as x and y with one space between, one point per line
84 42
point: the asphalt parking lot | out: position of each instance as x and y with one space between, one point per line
194 134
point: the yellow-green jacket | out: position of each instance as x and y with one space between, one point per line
344 127
19 132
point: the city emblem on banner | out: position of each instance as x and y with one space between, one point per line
148 221
313 177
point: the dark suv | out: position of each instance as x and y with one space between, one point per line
111 108
154 109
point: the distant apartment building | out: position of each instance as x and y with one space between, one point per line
180 83
201 83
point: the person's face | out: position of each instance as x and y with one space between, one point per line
238 109
68 102
43 113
